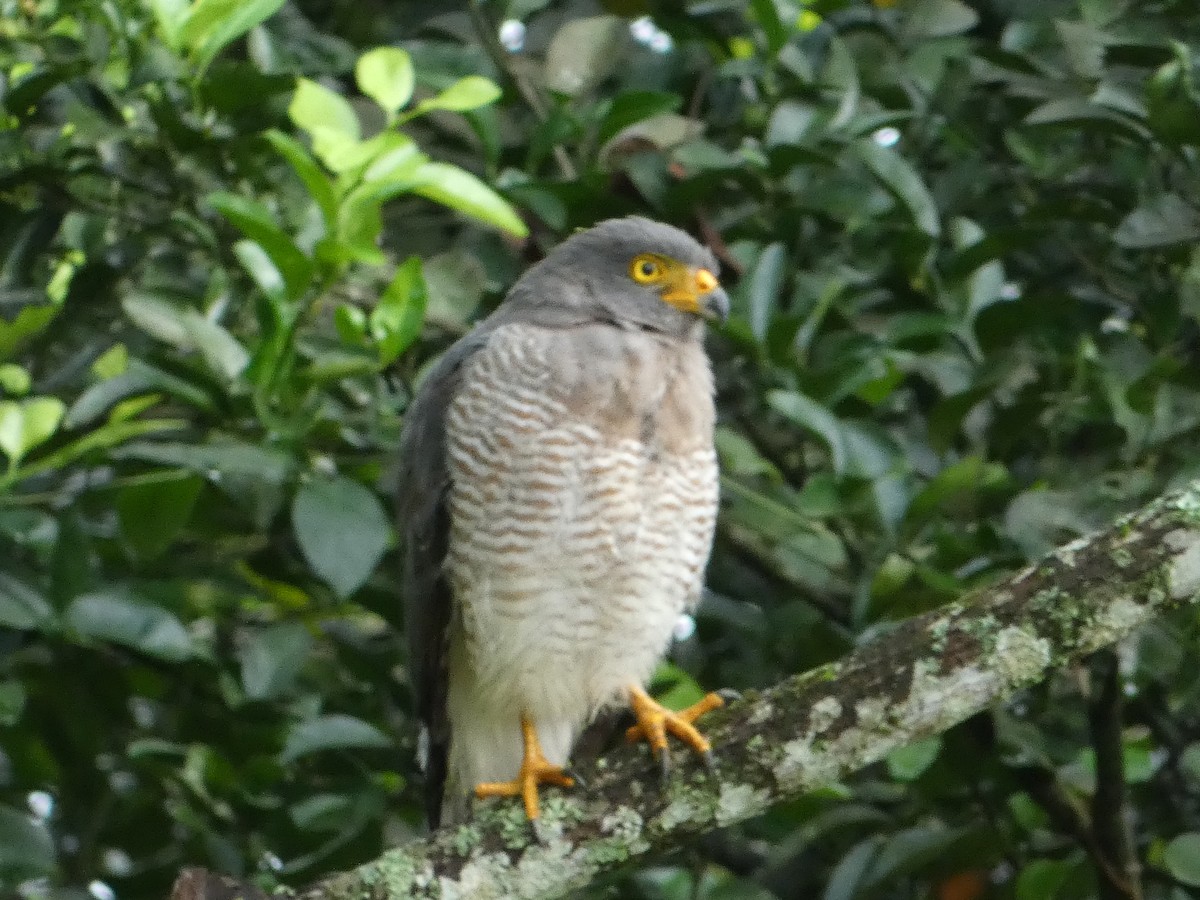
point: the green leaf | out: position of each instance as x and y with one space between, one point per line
171 16
467 93
925 19
910 762
766 13
120 619
271 658
28 423
332 732
214 24
327 116
634 106
322 812
809 414
12 702
187 330
342 530
901 179
259 265
583 52
459 189
1182 858
1165 221
219 460
1043 879
385 74
14 380
396 320
22 607
257 223
152 512
766 284
319 185
26 847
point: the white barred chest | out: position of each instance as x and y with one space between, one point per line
572 552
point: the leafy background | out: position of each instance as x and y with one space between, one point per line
961 239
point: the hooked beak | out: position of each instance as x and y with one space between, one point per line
699 293
715 306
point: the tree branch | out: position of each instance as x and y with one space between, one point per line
926 675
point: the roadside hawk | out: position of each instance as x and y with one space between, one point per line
558 497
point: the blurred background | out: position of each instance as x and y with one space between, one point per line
961 240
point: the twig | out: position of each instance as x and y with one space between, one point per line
486 29
1120 877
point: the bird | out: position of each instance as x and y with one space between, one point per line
557 502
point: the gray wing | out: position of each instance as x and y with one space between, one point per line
425 527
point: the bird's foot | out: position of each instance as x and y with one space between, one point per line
654 721
535 770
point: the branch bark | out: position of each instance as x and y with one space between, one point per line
921 678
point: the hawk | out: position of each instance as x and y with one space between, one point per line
558 498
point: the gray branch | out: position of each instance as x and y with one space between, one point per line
918 680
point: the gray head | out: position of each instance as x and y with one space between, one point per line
632 272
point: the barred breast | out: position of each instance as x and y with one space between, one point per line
582 504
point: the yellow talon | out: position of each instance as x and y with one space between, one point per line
535 770
654 721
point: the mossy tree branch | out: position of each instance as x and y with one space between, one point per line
921 678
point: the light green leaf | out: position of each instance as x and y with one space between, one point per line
385 74
170 16
459 189
319 186
342 530
12 423
120 619
327 116
271 659
465 94
396 320
42 418
27 424
214 24
259 265
332 732
14 380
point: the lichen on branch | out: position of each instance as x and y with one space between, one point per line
921 678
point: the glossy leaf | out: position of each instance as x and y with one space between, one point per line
331 732
386 75
459 189
120 619
342 530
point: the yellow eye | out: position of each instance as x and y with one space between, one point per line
645 270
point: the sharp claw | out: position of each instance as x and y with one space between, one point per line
576 779
664 764
729 695
710 762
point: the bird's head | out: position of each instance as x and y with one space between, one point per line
629 271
